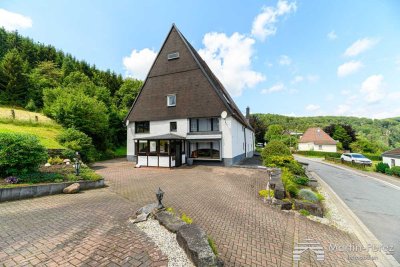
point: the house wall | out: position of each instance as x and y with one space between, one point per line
232 149
313 147
388 160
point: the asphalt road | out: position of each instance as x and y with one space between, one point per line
375 203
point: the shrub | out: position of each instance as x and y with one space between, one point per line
288 182
373 156
31 106
89 174
285 161
68 154
389 171
78 141
320 197
55 161
381 167
213 246
319 154
274 148
20 153
170 210
37 177
11 180
266 193
307 194
304 212
292 189
186 219
396 170
301 180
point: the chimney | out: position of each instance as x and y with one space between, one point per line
248 113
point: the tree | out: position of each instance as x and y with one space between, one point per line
127 93
341 135
259 128
14 79
77 141
274 132
45 75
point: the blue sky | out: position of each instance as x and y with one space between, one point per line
286 57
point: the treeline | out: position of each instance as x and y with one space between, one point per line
374 134
76 94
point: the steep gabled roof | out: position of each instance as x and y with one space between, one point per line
317 136
199 92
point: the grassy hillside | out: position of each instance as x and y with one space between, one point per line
45 128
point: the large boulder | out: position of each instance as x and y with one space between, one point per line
313 208
169 221
72 189
143 213
194 242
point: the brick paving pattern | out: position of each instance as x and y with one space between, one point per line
225 202
86 229
91 229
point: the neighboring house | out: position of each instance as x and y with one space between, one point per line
183 111
315 139
392 157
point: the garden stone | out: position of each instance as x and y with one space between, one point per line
72 189
194 241
313 208
276 180
47 165
169 221
282 204
143 213
137 166
66 161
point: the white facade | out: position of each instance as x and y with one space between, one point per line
235 141
313 147
391 161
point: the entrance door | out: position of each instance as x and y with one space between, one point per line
178 154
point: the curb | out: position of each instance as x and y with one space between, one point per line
23 192
365 236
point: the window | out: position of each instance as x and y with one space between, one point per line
204 125
142 127
172 126
206 150
153 147
143 146
164 146
171 100
392 162
320 147
174 55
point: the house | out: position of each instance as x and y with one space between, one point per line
315 139
183 112
392 157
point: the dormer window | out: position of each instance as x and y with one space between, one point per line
172 56
171 100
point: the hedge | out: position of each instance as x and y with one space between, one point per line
319 153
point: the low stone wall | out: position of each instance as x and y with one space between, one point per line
276 179
16 193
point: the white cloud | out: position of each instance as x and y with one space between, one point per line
312 78
349 68
264 24
332 35
275 88
342 109
13 21
372 88
360 46
345 92
298 79
284 60
229 57
138 64
312 107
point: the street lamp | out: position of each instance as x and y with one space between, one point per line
77 164
160 195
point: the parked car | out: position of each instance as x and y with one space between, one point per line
355 158
260 145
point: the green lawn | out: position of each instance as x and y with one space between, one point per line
47 135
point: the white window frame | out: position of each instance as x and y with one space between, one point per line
169 104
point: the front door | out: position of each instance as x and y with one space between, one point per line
178 154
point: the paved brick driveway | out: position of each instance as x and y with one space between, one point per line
225 202
86 229
91 229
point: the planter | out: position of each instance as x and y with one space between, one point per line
16 193
189 161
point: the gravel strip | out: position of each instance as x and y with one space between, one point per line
332 216
166 241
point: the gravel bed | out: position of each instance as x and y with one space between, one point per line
332 215
167 243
